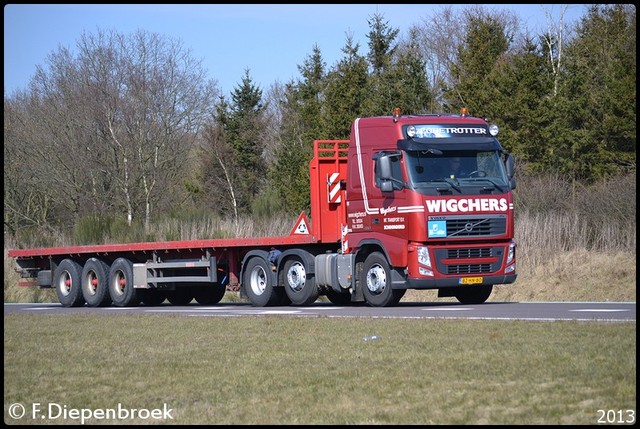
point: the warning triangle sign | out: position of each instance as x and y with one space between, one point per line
302 225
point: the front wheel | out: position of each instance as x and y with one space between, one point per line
474 294
376 282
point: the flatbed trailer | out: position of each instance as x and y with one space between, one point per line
385 218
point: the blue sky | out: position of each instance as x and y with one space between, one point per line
270 40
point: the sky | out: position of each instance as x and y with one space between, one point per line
270 40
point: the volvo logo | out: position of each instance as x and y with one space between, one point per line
468 227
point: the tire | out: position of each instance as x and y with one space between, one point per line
376 282
180 295
339 298
95 283
152 297
210 294
258 284
121 289
299 286
474 294
67 280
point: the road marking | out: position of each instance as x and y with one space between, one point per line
447 309
598 310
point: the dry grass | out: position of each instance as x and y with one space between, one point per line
282 370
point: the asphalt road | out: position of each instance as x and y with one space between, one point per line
536 311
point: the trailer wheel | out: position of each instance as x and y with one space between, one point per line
67 280
180 295
95 283
209 294
121 289
152 297
339 298
474 294
258 284
376 282
300 287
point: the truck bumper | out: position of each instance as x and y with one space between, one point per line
413 283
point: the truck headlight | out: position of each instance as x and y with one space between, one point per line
423 256
512 253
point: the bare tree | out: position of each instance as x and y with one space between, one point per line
116 124
554 39
439 36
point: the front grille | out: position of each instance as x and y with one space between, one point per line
469 269
476 226
483 252
457 260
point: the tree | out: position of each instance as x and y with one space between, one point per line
381 43
301 106
600 91
346 91
485 42
111 127
236 144
437 38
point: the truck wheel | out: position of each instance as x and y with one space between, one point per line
95 283
258 284
339 298
376 282
121 289
300 287
474 294
152 297
209 294
67 280
180 295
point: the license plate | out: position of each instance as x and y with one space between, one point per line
470 280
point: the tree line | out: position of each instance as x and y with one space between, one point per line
130 127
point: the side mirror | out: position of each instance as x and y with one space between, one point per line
511 170
384 167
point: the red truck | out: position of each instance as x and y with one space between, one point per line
408 202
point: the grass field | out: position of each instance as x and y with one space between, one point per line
284 370
275 370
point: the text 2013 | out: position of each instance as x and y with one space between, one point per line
616 416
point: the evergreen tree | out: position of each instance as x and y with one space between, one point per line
234 166
245 126
346 92
601 93
408 80
301 107
520 90
381 43
485 42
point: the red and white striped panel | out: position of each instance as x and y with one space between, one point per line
333 188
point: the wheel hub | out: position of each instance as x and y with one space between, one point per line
376 279
296 276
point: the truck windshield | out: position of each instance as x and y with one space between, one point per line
456 169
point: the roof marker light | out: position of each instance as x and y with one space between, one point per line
396 114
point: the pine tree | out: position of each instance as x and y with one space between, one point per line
346 92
